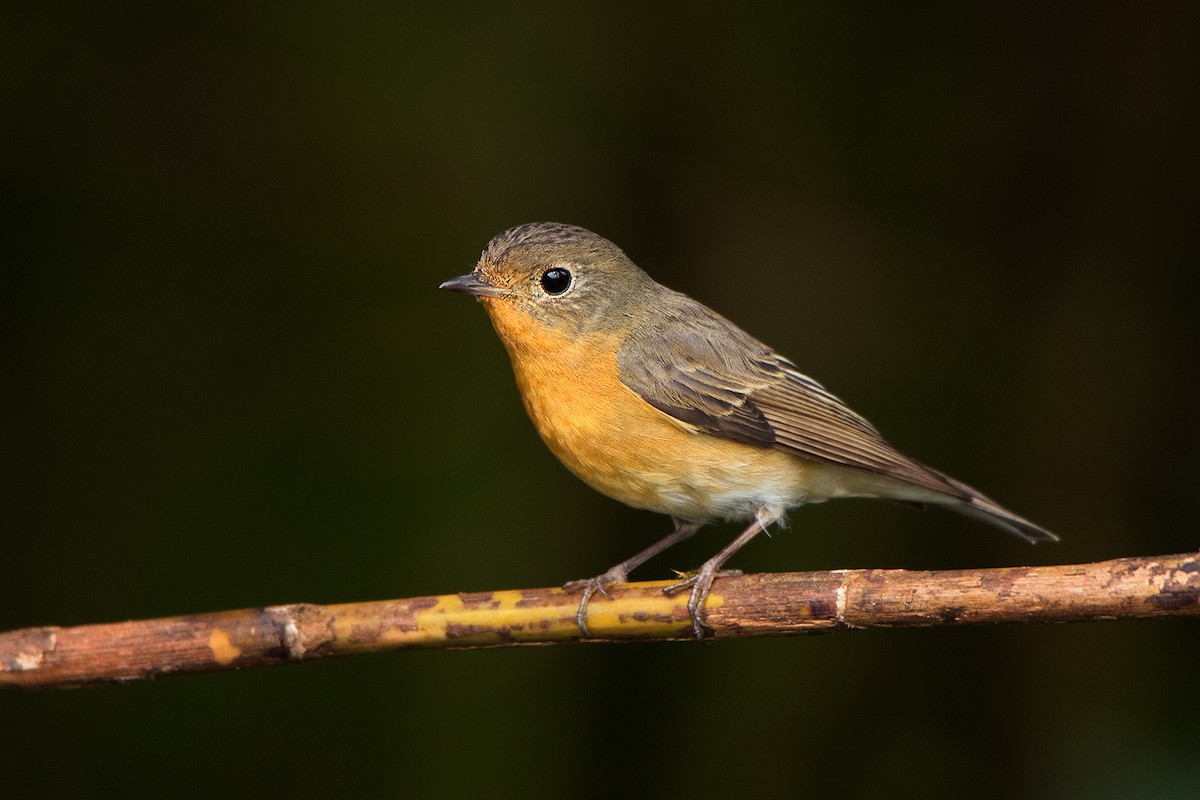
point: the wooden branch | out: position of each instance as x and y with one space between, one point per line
750 605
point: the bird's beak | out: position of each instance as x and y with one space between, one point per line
475 284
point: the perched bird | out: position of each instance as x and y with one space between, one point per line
657 401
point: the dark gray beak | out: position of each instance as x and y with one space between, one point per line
473 284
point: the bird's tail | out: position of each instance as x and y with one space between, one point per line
984 508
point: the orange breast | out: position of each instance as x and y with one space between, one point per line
624 447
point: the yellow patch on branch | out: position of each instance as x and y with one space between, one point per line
513 617
224 651
487 618
654 613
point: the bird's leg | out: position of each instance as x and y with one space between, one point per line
701 583
620 573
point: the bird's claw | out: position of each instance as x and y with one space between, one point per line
700 582
589 587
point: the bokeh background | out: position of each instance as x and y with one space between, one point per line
228 379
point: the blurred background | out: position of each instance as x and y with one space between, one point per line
228 378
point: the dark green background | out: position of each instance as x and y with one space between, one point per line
228 379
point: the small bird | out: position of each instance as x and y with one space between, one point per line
659 402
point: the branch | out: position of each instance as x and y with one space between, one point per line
751 605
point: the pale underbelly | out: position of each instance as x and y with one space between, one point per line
646 461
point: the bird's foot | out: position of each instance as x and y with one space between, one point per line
700 582
589 587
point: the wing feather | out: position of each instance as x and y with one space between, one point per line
698 367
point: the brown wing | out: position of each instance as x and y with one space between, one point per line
698 367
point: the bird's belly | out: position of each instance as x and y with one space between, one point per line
692 476
625 448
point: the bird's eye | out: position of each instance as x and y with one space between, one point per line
556 280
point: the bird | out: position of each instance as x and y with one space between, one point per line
661 403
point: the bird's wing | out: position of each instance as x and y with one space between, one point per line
701 369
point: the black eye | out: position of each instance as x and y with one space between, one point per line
556 280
